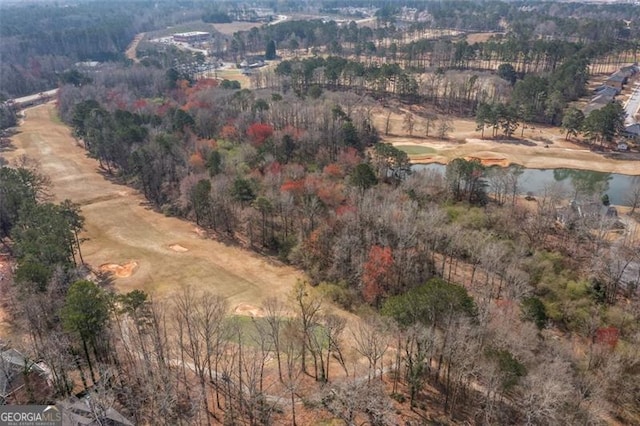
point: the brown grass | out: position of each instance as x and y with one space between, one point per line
231 28
232 74
480 37
120 271
120 227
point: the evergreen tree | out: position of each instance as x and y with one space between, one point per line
270 52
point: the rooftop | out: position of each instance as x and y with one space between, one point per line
191 34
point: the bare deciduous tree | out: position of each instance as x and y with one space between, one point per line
371 338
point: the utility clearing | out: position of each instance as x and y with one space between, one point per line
139 247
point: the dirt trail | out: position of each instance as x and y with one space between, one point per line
131 51
121 230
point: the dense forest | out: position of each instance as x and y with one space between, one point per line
474 305
39 42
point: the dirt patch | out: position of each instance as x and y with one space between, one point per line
178 248
480 37
120 271
502 162
131 52
231 28
246 309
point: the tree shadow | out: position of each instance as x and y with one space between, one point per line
6 145
516 141
106 279
622 156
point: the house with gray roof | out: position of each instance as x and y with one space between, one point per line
15 368
607 91
84 412
632 131
616 80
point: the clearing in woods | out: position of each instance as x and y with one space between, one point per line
233 27
142 248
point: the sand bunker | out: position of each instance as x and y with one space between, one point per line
502 162
120 271
178 248
248 310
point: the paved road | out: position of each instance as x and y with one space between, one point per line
31 99
633 105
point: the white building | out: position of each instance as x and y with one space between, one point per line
191 37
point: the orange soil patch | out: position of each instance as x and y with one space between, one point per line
120 271
502 162
249 310
178 248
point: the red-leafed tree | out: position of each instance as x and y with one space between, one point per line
140 104
229 132
196 161
333 170
203 83
607 336
345 209
259 132
348 159
377 274
273 168
293 186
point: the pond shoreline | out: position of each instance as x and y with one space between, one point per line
504 163
535 180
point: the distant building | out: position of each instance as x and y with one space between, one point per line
191 37
630 70
253 62
568 215
253 15
632 131
616 80
87 64
607 91
611 87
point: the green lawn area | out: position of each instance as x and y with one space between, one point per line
416 150
250 329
